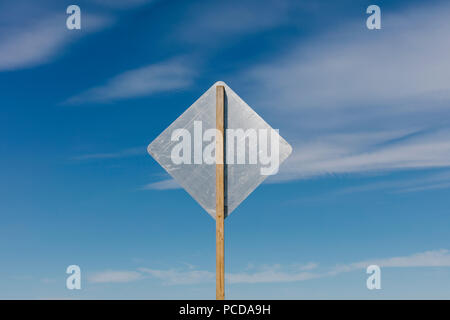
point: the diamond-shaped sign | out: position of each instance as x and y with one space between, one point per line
198 179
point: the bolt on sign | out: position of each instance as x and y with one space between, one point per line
219 150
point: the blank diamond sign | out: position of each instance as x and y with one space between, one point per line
219 150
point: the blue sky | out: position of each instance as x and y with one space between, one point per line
367 113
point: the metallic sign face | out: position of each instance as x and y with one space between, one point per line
183 148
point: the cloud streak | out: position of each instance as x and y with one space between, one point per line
120 4
433 258
112 155
353 100
330 155
434 181
176 277
39 38
202 21
115 277
275 273
159 77
168 184
353 66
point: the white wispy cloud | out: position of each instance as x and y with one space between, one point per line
433 258
270 276
175 277
353 66
112 155
435 186
328 155
168 184
115 276
353 100
274 273
168 75
424 182
36 37
121 4
217 21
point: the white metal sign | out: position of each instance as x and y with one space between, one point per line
253 150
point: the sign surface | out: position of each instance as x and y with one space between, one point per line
198 177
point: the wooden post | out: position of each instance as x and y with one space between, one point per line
220 193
